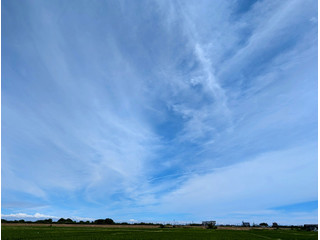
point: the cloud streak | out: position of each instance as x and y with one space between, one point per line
110 113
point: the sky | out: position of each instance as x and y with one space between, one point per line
160 111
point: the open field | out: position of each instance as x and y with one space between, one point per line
97 233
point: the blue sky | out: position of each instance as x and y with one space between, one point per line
160 110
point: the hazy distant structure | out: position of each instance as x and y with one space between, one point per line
311 227
208 223
245 224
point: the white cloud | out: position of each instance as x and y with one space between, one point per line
270 29
25 216
269 180
96 137
82 219
38 216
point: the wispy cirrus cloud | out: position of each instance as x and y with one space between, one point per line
110 112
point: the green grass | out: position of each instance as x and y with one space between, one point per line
97 233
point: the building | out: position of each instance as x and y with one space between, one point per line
245 224
311 227
208 223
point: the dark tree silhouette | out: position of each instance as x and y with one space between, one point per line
263 224
61 220
109 221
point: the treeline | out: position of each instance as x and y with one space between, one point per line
62 221
107 221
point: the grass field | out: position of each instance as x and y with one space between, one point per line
97 233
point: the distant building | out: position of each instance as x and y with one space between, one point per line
311 227
207 223
245 224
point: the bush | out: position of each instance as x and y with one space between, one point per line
104 221
263 224
211 226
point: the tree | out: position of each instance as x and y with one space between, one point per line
109 221
69 220
99 221
61 220
104 221
263 224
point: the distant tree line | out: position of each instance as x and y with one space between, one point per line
62 221
107 221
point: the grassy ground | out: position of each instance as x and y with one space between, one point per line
90 233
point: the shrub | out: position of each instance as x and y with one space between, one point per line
211 226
